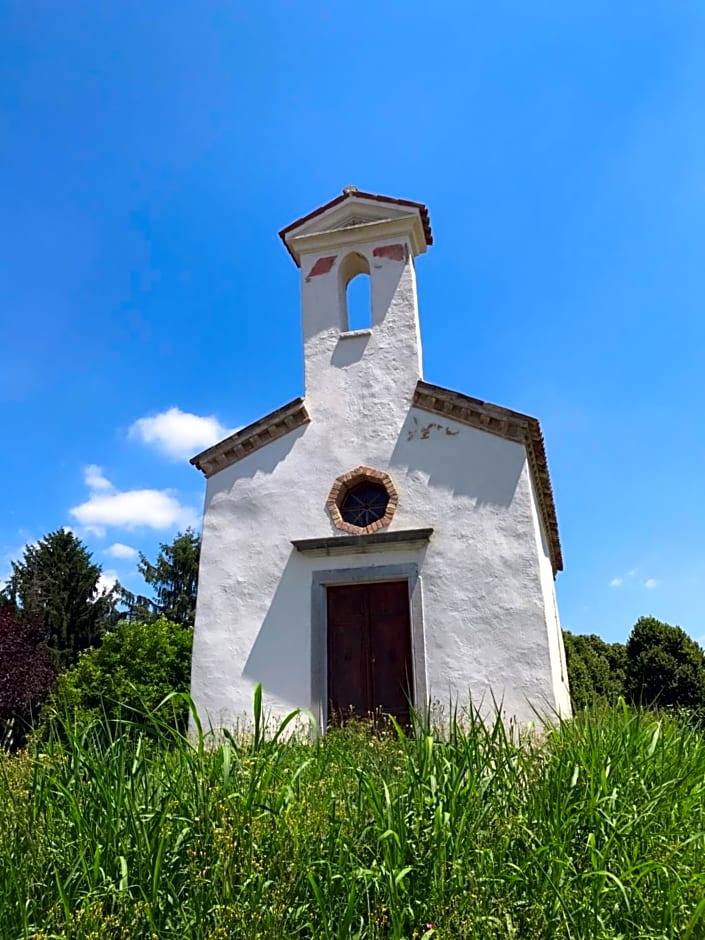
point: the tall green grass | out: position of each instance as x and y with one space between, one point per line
592 829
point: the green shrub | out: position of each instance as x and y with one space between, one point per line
134 669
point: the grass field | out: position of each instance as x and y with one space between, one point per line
595 829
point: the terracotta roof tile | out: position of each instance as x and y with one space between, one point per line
246 441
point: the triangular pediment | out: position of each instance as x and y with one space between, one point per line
355 209
352 212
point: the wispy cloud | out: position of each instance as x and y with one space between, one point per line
130 509
95 478
178 434
620 580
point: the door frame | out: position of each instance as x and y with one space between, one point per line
319 627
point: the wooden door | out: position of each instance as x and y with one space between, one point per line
369 650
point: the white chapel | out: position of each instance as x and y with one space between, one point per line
380 543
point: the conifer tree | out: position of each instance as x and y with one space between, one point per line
57 584
174 579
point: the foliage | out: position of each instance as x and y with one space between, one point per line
135 668
589 831
57 583
174 578
595 669
664 666
27 674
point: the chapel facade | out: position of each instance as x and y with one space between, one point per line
380 543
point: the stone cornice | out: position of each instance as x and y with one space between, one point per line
250 439
511 425
396 539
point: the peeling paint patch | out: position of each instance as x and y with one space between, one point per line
424 433
393 252
322 266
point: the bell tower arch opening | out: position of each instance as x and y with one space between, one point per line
355 292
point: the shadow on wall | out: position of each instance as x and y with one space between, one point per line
348 350
384 288
264 460
280 657
467 461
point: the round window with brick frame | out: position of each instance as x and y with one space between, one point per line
362 501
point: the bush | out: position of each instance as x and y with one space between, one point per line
136 667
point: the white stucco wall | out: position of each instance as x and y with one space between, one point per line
489 611
559 668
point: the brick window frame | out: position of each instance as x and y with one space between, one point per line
344 483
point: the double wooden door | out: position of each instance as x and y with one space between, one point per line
369 650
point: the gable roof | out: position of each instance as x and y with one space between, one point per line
511 425
350 192
249 439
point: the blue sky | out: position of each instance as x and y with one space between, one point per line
150 152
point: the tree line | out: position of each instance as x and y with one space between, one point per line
64 640
659 665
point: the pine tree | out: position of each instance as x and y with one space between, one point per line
57 584
174 579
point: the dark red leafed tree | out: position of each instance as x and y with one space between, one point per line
27 673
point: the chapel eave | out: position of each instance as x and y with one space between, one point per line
251 438
512 426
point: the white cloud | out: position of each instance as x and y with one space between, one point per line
650 583
178 434
131 509
155 509
119 550
95 478
619 580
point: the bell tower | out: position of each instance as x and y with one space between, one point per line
360 235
